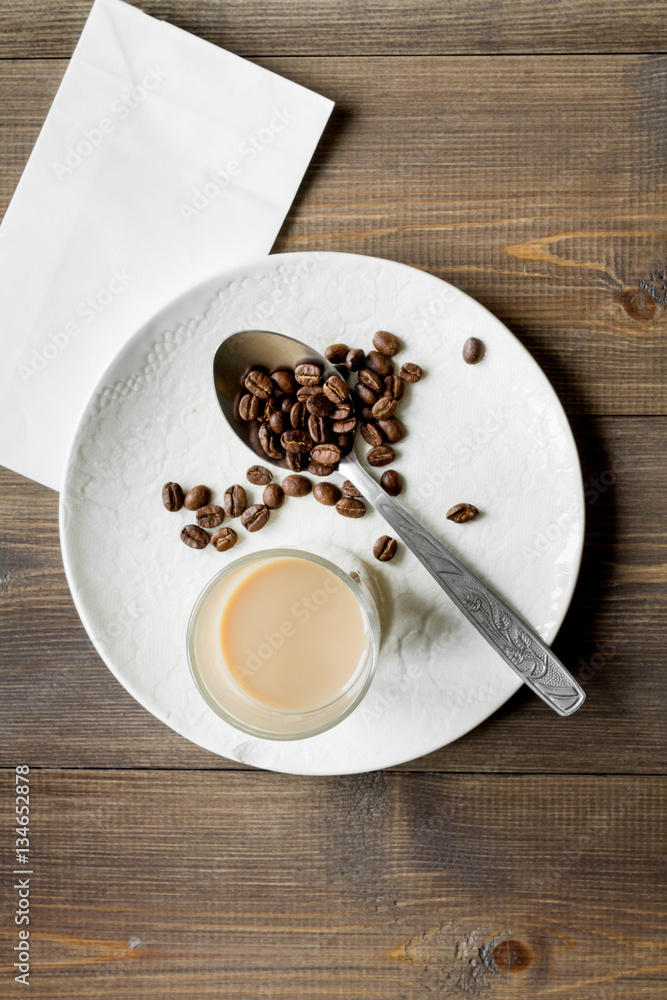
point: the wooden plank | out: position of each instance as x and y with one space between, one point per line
41 28
167 884
535 184
60 706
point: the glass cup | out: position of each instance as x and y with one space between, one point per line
227 698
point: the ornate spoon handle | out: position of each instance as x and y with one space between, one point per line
518 644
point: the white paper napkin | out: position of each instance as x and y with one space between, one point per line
163 159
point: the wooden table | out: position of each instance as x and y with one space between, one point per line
518 150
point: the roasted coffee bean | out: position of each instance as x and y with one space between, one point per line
372 434
308 374
252 368
259 384
270 407
391 482
379 363
350 507
365 394
236 412
336 389
296 441
286 403
278 422
273 496
326 493
197 497
304 391
372 380
382 454
342 371
295 462
366 412
172 496
285 381
394 386
384 408
320 405
319 469
223 539
319 429
210 516
298 415
325 454
385 548
345 442
234 500
410 372
473 351
344 426
194 536
336 353
392 429
343 410
461 512
386 343
355 359
259 475
296 486
255 517
269 442
350 490
249 407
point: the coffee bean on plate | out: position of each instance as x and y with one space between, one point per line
391 482
255 517
385 548
410 372
259 384
372 434
273 496
326 493
259 475
382 454
350 490
197 497
172 496
297 441
320 405
285 381
462 512
350 507
394 386
473 351
371 380
249 407
319 469
379 363
325 454
296 486
386 343
234 500
336 353
269 442
210 516
194 536
392 429
355 359
308 374
223 539
384 408
336 390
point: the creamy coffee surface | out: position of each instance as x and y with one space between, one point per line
292 634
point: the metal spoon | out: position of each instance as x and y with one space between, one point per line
512 638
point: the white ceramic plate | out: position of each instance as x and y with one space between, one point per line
492 434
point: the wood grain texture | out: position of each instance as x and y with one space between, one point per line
536 184
39 28
60 706
241 885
